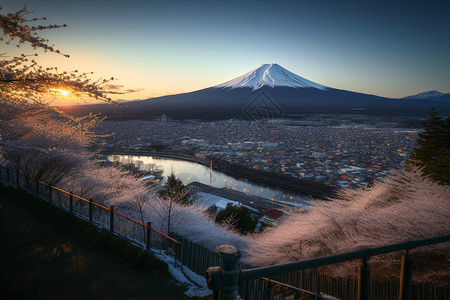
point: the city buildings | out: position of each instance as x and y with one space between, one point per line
340 150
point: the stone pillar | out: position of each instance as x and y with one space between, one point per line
225 277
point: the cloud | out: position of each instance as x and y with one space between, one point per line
133 90
114 87
120 88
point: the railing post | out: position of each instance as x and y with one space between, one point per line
364 281
50 192
91 209
149 236
111 218
173 246
71 201
268 290
406 277
17 179
7 174
226 276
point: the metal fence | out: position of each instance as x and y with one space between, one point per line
229 279
288 281
136 232
316 285
194 256
185 252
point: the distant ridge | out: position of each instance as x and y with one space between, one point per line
430 95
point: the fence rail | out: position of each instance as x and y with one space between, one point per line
111 211
338 258
194 256
118 223
185 252
229 278
252 283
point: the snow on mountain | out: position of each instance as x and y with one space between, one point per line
287 93
270 75
426 95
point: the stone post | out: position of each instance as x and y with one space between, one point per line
225 277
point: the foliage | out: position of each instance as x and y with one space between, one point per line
211 212
174 190
24 81
37 139
45 144
38 145
433 148
175 193
402 207
238 218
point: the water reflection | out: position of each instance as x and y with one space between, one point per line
190 172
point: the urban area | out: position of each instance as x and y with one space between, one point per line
339 150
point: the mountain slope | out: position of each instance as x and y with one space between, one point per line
270 89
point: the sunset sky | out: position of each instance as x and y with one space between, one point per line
169 47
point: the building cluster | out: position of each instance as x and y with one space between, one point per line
344 151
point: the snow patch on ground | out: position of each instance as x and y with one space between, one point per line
196 285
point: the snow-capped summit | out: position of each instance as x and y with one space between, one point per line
271 75
271 91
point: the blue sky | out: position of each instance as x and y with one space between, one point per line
385 48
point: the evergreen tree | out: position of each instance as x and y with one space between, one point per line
238 218
433 148
174 190
211 212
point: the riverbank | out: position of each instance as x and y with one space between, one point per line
308 188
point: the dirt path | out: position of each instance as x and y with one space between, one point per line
41 259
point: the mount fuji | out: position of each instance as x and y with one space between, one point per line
270 85
271 75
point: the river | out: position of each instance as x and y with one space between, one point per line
189 172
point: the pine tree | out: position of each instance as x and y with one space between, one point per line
433 148
238 218
174 190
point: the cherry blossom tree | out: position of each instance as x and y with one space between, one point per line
23 80
46 144
37 139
